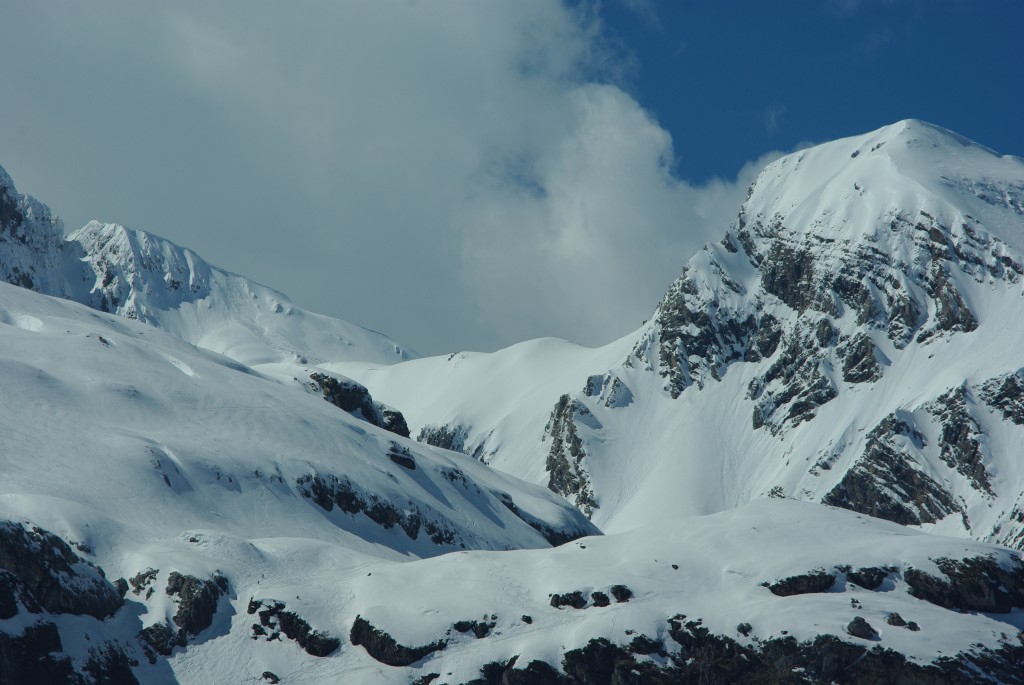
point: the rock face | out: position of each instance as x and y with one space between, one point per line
818 581
41 580
977 584
385 648
355 399
330 491
32 251
39 571
274 620
885 482
566 459
197 600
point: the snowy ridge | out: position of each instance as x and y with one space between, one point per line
144 277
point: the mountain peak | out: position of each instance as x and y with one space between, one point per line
851 189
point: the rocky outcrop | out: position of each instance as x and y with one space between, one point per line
860 365
328 491
353 398
816 581
385 649
29 657
973 584
886 482
1005 394
274 620
555 536
698 333
696 655
41 574
794 385
40 571
961 439
566 460
197 600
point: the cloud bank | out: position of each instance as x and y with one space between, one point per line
457 175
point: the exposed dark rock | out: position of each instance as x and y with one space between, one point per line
567 473
697 338
961 438
764 340
860 364
28 657
1006 394
974 584
886 482
197 600
328 491
160 638
271 677
894 619
385 649
858 627
573 599
526 619
142 580
110 665
703 657
600 599
401 456
479 628
274 620
554 536
951 312
807 583
790 390
869 578
44 572
535 673
788 273
393 421
426 679
824 333
10 588
621 593
355 399
449 437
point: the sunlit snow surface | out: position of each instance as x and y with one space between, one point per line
182 445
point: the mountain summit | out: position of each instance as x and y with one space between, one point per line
851 339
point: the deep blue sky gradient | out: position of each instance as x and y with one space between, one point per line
713 73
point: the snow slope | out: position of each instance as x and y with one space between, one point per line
853 338
151 453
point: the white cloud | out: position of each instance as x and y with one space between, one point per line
586 244
449 173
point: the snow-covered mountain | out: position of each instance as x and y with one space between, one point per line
178 503
142 276
852 339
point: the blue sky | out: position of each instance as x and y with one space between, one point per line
462 174
730 80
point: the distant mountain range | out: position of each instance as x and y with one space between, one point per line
805 464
